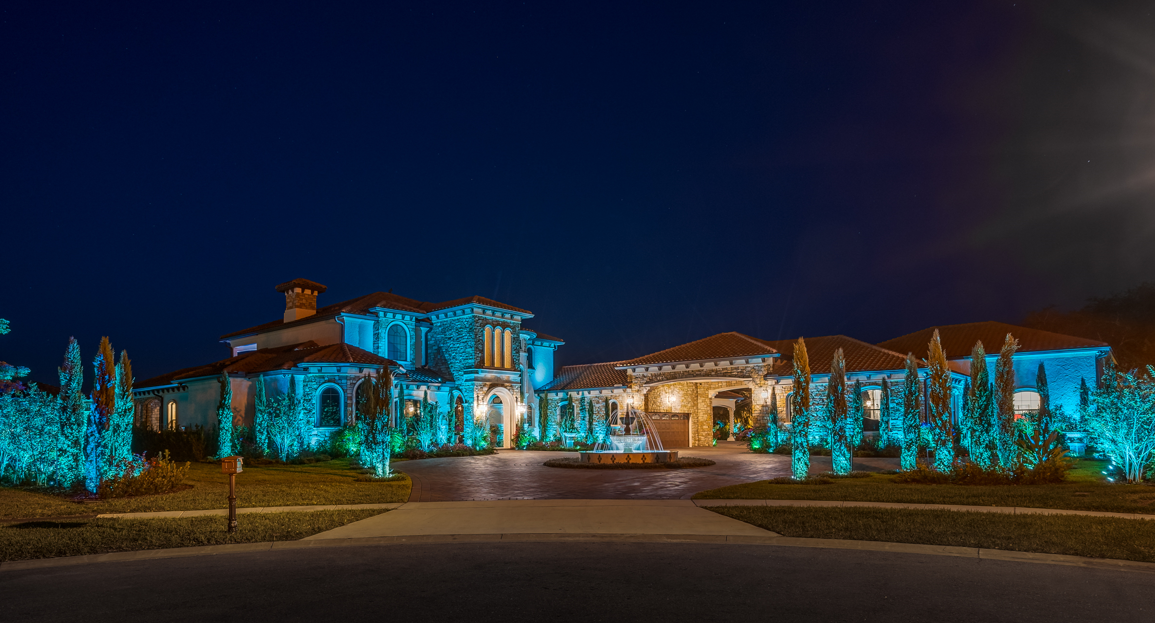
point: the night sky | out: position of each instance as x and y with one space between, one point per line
637 175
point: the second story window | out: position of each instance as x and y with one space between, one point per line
398 349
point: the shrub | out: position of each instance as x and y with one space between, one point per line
145 477
181 445
970 473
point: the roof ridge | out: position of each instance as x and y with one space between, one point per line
756 340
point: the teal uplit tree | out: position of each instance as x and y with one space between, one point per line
800 416
300 416
840 451
225 417
1084 403
978 421
911 409
939 405
1121 420
855 415
426 425
1004 404
260 415
885 416
539 423
10 373
120 424
103 406
468 422
442 427
585 422
772 440
73 416
374 425
1043 419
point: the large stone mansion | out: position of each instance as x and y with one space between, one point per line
474 355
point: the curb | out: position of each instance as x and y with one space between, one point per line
1006 510
779 541
248 510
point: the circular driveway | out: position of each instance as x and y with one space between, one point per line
520 475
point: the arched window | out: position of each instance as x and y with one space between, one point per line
329 407
789 407
488 346
1027 402
508 359
528 357
170 422
398 348
152 414
872 404
497 363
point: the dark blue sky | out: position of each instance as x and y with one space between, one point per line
638 175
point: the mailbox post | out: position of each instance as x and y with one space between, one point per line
232 465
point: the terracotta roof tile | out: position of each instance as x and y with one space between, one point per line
959 339
718 346
477 300
423 375
587 376
860 356
544 336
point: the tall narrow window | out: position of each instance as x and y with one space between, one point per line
398 349
497 348
508 359
329 408
152 415
170 422
528 357
488 346
872 404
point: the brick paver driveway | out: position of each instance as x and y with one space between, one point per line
514 474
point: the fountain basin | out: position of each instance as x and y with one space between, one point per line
644 456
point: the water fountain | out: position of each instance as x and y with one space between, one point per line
630 438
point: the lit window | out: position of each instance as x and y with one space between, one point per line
398 349
508 359
872 404
488 346
170 422
329 408
1027 402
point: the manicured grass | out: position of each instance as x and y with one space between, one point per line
1096 537
1085 489
51 539
331 482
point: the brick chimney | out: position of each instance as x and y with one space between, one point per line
300 298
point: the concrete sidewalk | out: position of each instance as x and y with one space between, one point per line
1005 510
586 517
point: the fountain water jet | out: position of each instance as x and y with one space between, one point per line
630 438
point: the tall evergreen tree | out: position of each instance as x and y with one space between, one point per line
120 425
885 416
585 422
1043 419
911 403
800 416
939 405
978 417
1004 403
854 430
772 440
1084 402
840 451
260 415
225 417
103 405
73 417
375 425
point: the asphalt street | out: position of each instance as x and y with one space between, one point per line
575 581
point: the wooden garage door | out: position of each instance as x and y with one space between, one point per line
672 428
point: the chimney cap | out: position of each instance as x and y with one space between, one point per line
304 284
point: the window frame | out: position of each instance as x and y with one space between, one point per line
340 405
404 341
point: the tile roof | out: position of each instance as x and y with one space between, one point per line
959 339
860 356
587 376
718 346
542 336
423 375
477 300
269 359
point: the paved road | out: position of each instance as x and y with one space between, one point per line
575 582
512 474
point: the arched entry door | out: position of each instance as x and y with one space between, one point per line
501 413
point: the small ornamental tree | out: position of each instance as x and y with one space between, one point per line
1004 404
911 404
1121 420
979 430
939 405
885 416
10 373
854 430
800 416
260 416
840 451
103 406
120 425
73 416
374 425
225 417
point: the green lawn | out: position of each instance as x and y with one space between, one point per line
1085 489
1097 537
50 539
331 482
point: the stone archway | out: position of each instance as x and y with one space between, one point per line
508 415
694 395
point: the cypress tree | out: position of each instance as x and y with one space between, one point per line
772 425
854 432
1004 403
800 416
840 452
1084 402
120 425
1043 419
375 426
885 435
978 416
225 417
911 395
260 415
939 405
73 418
103 405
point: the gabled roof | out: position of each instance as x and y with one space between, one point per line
959 339
476 300
587 376
269 359
860 356
719 346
